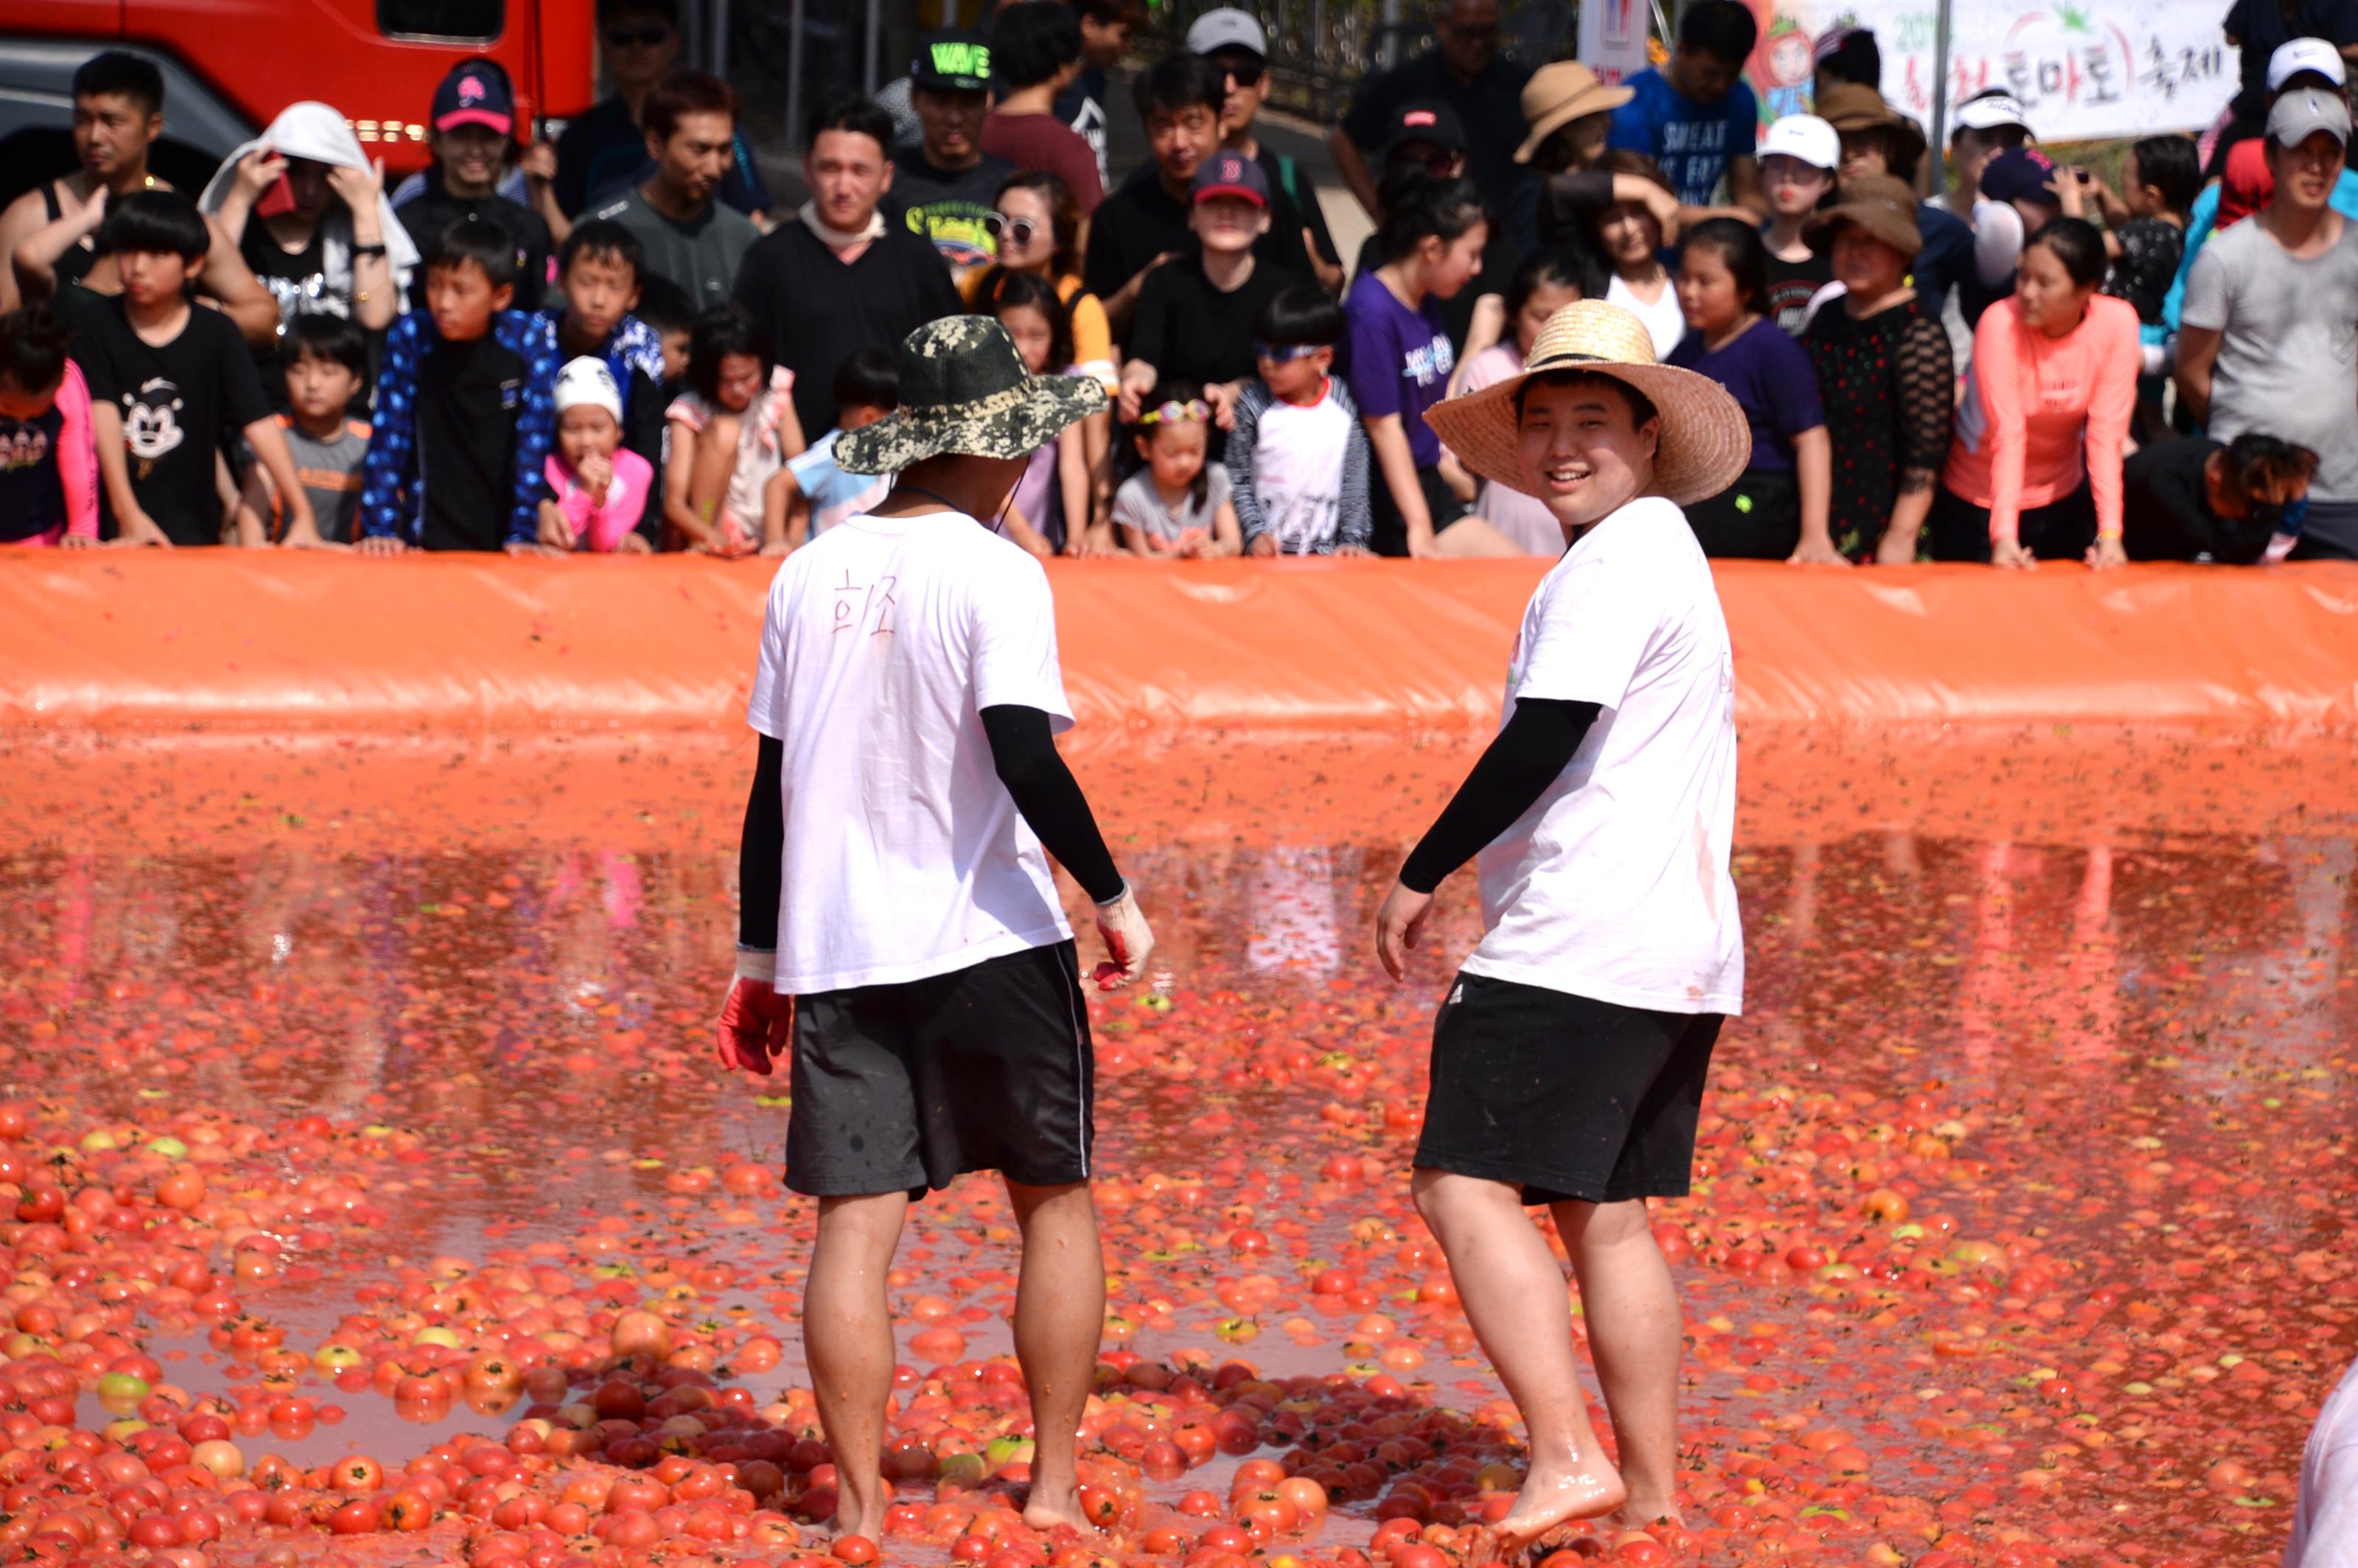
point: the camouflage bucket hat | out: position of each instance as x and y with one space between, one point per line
964 390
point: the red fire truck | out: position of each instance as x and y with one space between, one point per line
230 65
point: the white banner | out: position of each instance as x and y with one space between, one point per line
1613 39
2084 70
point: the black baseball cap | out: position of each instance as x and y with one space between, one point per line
1437 125
952 59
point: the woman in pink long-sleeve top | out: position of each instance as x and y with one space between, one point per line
2035 470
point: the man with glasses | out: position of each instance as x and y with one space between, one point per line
1461 70
603 148
1233 40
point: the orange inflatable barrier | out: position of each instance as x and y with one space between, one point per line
167 641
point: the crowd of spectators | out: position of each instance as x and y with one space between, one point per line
614 342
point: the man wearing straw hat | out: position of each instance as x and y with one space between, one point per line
901 935
1568 1058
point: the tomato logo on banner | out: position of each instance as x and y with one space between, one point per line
2063 58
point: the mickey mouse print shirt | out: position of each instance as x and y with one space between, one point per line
179 402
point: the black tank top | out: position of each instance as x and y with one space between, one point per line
75 264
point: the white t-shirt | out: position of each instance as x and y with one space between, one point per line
1297 469
2325 1517
1614 885
884 640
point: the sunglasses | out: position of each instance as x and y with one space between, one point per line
1195 409
645 37
1243 70
999 226
1284 353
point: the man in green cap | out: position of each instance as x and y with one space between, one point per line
946 186
899 937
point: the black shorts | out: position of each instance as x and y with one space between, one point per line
1565 1096
1758 518
904 1088
1390 536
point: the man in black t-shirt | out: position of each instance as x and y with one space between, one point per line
837 278
1461 70
171 384
473 120
1234 40
943 189
1145 223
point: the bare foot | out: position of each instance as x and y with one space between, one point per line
1047 1508
845 1524
1639 1512
1547 1500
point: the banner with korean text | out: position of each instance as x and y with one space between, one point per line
2084 72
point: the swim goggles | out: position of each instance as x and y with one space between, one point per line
1285 354
1195 409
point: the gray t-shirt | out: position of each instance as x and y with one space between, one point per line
701 256
331 472
1137 504
2287 362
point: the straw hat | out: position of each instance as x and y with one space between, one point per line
1883 206
965 390
1706 441
1558 94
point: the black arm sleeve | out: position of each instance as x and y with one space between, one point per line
1530 752
759 853
1024 753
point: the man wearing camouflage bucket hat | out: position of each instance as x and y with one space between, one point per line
1568 1060
900 927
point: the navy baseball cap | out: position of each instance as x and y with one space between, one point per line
952 59
1227 173
2022 174
476 92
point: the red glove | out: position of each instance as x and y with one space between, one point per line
757 1024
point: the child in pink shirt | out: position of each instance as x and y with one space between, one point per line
599 488
2035 470
48 467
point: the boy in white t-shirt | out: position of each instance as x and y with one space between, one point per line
900 925
1297 456
1569 1058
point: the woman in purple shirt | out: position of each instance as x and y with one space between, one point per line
1778 510
1398 358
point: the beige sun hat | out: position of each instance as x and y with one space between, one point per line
1558 94
1706 442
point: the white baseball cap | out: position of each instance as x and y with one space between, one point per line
1806 137
2306 54
1227 28
587 382
1991 112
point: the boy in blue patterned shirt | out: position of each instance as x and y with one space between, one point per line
466 409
